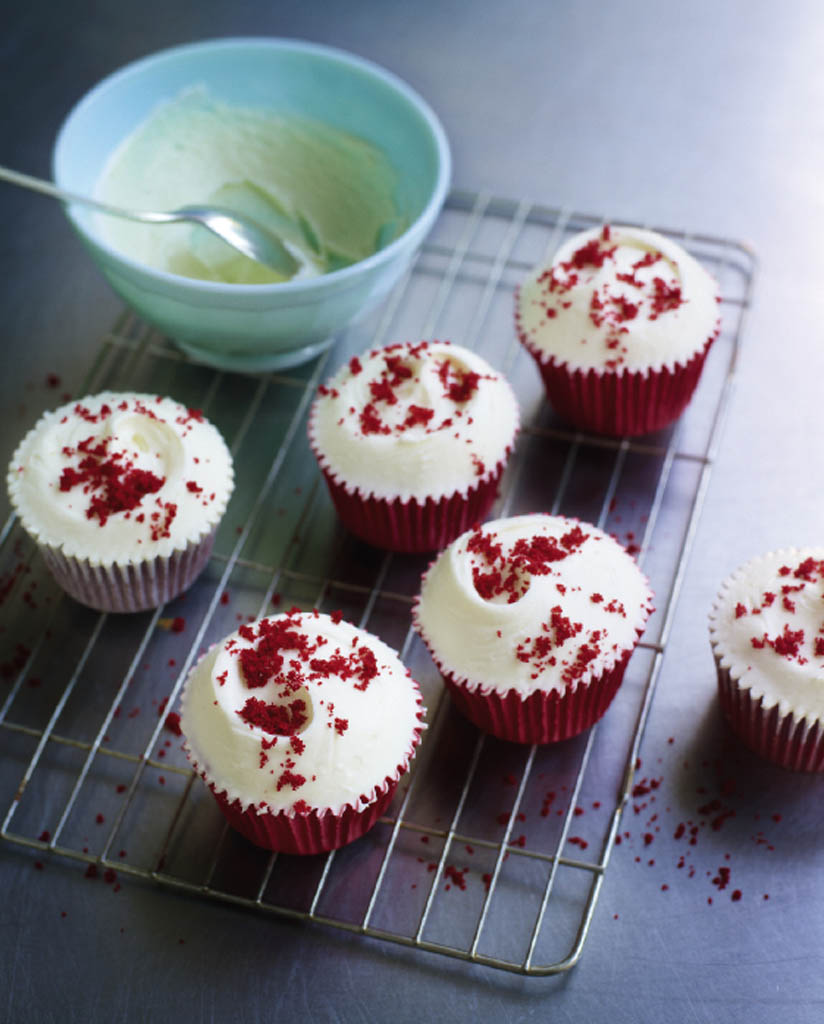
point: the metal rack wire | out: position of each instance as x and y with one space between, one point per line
491 853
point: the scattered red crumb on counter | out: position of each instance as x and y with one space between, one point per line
455 875
172 723
172 625
715 810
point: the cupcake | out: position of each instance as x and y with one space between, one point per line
122 494
619 324
302 726
532 621
767 636
412 440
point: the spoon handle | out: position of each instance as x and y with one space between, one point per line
243 234
48 189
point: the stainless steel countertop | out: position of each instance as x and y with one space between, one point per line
705 117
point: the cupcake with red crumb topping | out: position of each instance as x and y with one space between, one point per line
123 494
412 440
302 725
767 636
532 621
619 324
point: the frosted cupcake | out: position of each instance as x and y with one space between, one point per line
412 440
123 494
767 636
302 726
619 324
532 621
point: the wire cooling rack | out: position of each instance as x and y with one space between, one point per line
491 852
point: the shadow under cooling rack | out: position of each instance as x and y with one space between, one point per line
491 852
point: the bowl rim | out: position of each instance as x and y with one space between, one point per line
296 288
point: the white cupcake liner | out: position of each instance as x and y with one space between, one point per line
132 587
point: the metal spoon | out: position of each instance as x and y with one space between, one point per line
243 234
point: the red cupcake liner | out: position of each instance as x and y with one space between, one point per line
304 834
542 717
133 587
619 404
410 526
794 743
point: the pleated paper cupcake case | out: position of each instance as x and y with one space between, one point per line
788 741
132 587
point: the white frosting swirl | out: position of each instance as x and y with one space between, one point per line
119 478
767 629
618 299
414 421
324 727
533 602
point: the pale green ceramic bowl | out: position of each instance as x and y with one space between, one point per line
260 327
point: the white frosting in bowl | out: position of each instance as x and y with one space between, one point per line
533 602
121 478
414 420
328 195
301 711
767 630
618 299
